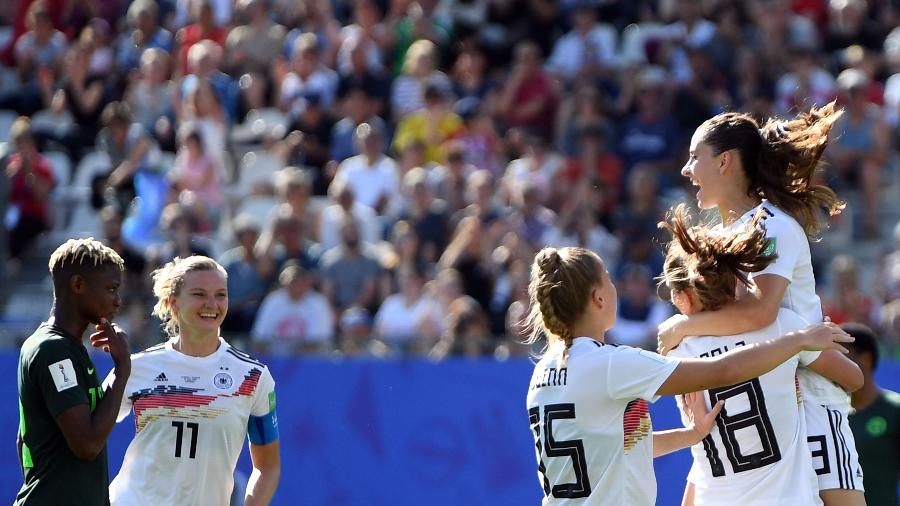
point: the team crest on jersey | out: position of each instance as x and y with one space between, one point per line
223 381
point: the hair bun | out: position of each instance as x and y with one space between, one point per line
549 260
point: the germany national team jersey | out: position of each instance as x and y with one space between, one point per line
756 453
55 374
591 423
191 417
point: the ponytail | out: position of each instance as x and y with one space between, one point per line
780 160
710 263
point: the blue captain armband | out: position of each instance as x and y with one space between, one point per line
262 430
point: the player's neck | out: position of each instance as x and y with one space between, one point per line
865 396
732 209
66 317
195 345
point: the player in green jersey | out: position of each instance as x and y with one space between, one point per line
65 417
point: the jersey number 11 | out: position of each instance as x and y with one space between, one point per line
179 427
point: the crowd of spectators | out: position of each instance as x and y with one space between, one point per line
376 175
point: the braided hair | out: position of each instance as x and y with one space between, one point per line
561 283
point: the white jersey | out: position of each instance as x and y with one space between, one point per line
191 416
794 263
591 422
756 454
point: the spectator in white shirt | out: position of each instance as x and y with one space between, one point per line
308 76
372 175
294 318
404 316
332 217
587 49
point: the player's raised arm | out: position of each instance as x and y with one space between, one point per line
752 360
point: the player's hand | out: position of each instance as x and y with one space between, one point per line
669 335
699 420
113 340
824 336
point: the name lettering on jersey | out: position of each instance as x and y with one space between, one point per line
549 377
718 351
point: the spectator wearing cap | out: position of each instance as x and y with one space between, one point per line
372 175
588 50
860 147
145 33
419 67
295 318
355 332
30 181
251 48
529 97
358 107
350 271
434 124
344 203
308 77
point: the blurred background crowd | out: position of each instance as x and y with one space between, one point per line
376 175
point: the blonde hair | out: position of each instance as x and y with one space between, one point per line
421 47
167 283
710 263
80 253
561 282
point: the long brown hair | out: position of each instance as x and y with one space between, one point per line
712 263
780 159
561 282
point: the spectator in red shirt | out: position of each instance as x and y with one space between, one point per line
203 28
30 182
529 97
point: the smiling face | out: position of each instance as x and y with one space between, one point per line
703 169
202 303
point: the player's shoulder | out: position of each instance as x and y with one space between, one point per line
778 221
241 357
45 340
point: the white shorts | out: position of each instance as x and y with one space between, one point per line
833 448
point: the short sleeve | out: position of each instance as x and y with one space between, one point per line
264 398
638 374
53 371
808 357
125 407
788 242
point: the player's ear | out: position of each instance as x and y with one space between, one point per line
76 283
725 160
597 297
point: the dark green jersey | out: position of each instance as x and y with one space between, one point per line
876 430
56 373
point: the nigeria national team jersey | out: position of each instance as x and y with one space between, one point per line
591 423
191 417
55 374
876 429
794 263
756 453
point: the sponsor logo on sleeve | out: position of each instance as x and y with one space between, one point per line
63 374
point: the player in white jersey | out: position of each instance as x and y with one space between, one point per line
195 399
757 454
743 169
587 402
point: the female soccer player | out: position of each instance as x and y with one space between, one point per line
195 398
587 403
742 169
757 453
